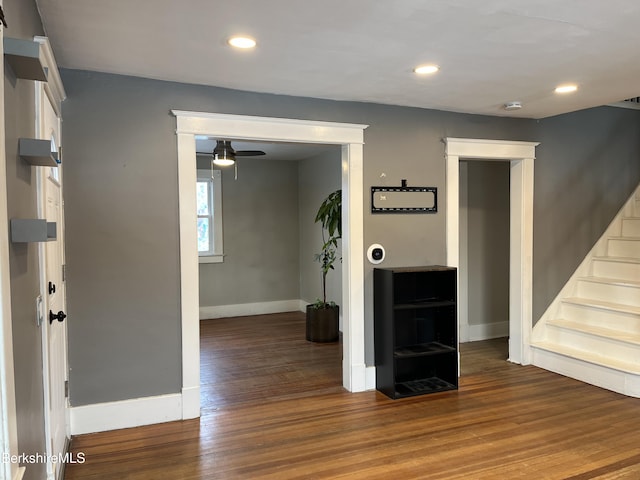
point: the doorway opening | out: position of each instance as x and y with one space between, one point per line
520 156
484 261
254 286
350 137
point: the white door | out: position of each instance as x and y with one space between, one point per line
54 327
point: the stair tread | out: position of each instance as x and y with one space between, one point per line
629 367
610 333
616 307
611 281
618 259
630 238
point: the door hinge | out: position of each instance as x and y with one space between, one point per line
66 389
64 272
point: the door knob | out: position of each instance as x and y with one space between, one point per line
60 316
52 288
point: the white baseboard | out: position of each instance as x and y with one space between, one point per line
190 402
370 378
487 331
260 308
101 417
19 473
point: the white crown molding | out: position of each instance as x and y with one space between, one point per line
264 128
53 86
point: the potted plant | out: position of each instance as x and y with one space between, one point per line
323 316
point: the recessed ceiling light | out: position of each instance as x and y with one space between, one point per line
242 42
426 69
566 88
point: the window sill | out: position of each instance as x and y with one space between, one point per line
211 259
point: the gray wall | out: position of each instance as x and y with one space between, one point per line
487 211
118 129
260 227
587 165
19 107
318 177
121 243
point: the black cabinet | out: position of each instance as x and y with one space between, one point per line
415 330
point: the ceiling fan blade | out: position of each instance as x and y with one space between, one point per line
250 153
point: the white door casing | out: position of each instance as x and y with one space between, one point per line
520 155
231 127
52 285
55 333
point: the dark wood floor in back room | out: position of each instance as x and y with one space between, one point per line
274 408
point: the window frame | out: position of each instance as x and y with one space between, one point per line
216 246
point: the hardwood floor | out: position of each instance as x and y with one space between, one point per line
274 408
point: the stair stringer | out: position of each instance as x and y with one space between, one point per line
599 367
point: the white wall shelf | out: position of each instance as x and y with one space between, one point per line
28 230
38 152
25 58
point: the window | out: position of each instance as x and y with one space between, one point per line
209 210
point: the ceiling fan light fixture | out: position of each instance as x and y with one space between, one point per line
243 42
224 155
223 162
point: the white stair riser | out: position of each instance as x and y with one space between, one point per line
623 248
597 345
609 292
631 227
624 383
596 317
624 271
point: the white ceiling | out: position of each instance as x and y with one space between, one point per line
490 51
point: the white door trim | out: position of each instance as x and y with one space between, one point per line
53 92
351 137
520 155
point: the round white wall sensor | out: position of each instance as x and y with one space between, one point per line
375 253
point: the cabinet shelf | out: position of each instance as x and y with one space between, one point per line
422 386
415 330
421 349
425 304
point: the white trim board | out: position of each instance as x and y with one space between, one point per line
486 331
244 309
351 137
100 417
520 156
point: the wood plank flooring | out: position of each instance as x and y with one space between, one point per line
274 408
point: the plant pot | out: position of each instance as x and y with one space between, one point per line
322 324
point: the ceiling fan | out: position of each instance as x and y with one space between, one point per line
224 155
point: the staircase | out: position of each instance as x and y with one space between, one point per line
591 332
